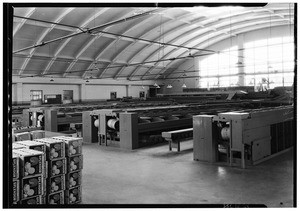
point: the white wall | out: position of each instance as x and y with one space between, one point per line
278 31
82 90
50 89
96 92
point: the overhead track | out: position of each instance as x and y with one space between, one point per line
88 30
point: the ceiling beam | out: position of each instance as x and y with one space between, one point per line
211 37
221 37
44 34
84 24
135 27
22 22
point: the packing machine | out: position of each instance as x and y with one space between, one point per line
49 119
133 128
244 137
136 127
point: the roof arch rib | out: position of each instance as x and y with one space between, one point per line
183 44
31 53
117 38
159 43
239 24
143 35
100 74
221 30
27 15
85 23
221 37
135 41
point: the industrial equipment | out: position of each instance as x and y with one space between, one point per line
49 119
247 136
136 127
63 118
132 128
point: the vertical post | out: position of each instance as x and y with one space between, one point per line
82 96
129 131
50 120
241 65
127 90
19 93
89 131
25 118
205 144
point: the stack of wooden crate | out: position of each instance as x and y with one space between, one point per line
59 172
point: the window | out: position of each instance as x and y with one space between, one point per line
220 69
272 59
36 94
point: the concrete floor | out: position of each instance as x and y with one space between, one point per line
155 175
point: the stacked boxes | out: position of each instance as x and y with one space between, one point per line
30 185
22 136
37 134
74 166
48 170
55 183
16 181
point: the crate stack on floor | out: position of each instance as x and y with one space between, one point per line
59 171
30 173
74 162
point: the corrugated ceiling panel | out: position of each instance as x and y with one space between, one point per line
78 69
96 48
158 36
47 13
78 16
19 44
109 73
111 15
153 21
141 56
115 49
58 67
17 62
29 32
37 64
129 52
21 11
74 45
56 33
48 50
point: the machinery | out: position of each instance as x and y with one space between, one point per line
49 119
132 128
244 137
62 118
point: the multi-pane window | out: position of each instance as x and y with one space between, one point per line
271 59
36 94
219 70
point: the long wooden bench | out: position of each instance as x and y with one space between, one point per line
174 137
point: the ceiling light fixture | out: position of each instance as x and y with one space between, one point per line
169 86
183 85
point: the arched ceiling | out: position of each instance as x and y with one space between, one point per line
127 42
